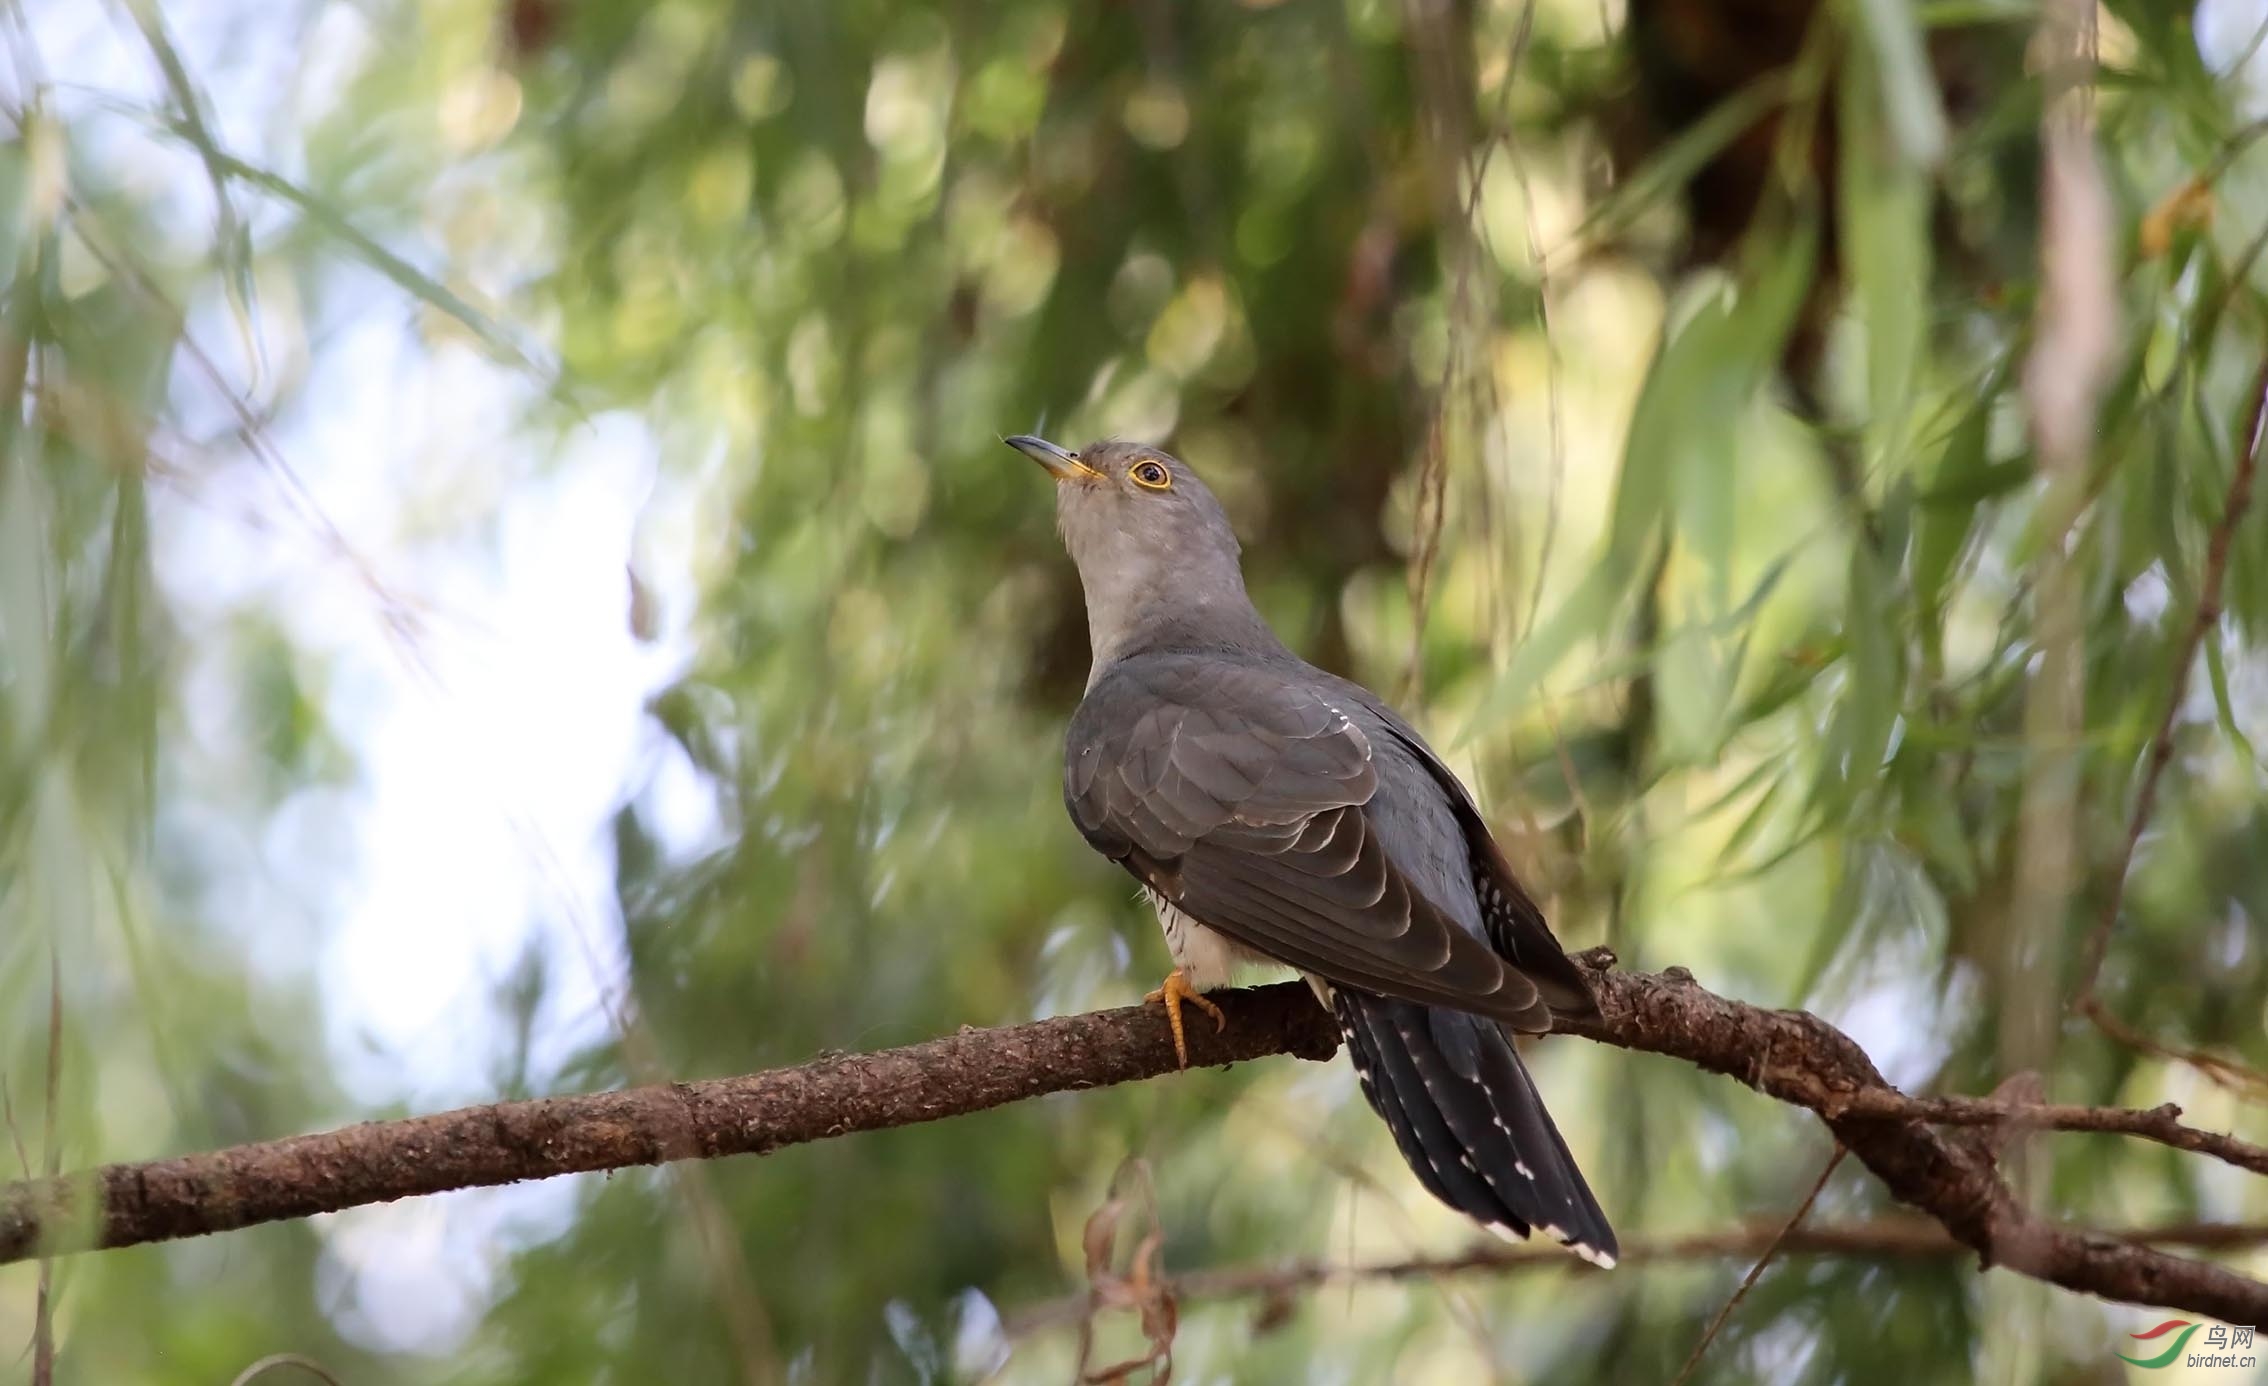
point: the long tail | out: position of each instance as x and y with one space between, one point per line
1469 1120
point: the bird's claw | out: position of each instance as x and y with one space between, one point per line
1173 991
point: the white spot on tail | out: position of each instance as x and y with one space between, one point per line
1589 1253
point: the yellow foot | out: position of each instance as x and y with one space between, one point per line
1174 990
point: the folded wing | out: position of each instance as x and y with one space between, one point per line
1242 794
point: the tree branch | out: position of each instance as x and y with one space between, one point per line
1800 1059
507 1142
2160 1124
2087 1001
1904 1238
1789 1055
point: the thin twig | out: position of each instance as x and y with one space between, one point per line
1895 1238
2160 1124
1748 1281
1467 373
43 1312
2087 1002
1444 102
2227 1073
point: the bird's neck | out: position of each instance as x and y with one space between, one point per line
1221 618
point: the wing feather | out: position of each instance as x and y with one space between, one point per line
1241 794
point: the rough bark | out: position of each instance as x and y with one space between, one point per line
1802 1060
1789 1055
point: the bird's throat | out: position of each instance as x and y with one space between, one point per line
1222 620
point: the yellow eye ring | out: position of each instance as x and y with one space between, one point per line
1152 476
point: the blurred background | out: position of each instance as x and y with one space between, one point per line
509 584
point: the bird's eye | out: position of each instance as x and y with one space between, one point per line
1152 475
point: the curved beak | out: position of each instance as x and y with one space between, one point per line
1061 463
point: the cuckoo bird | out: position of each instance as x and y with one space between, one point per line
1275 813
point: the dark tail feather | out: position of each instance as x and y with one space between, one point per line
1469 1120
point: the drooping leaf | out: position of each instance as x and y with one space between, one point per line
1885 196
1895 56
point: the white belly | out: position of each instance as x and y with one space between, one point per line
1207 958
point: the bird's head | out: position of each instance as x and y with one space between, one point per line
1151 542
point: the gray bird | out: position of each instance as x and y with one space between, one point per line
1275 813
